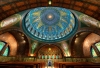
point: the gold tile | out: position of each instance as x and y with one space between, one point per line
34 5
67 1
89 12
22 8
65 5
77 8
79 3
20 3
94 8
32 1
10 12
7 7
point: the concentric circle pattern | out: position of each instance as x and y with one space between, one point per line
50 16
50 24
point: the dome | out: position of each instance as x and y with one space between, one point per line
50 24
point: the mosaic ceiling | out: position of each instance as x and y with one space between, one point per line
50 24
89 7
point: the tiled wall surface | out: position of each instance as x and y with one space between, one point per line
89 7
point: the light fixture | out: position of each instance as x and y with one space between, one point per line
76 40
49 49
31 54
76 35
22 34
50 2
24 41
22 37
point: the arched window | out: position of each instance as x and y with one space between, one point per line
98 46
4 49
95 50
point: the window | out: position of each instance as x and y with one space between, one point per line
4 49
95 49
98 46
93 53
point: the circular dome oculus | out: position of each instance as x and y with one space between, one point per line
50 16
50 24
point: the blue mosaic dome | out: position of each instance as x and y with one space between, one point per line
50 24
50 16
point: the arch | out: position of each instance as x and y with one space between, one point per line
4 49
88 42
77 42
18 42
43 45
95 49
89 7
8 38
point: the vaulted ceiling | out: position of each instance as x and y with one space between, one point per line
89 7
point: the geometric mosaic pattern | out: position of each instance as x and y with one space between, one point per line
50 24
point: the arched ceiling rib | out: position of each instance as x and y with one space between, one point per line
89 7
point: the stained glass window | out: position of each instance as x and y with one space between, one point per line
98 45
94 54
2 44
6 52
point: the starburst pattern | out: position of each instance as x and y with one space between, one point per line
50 23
